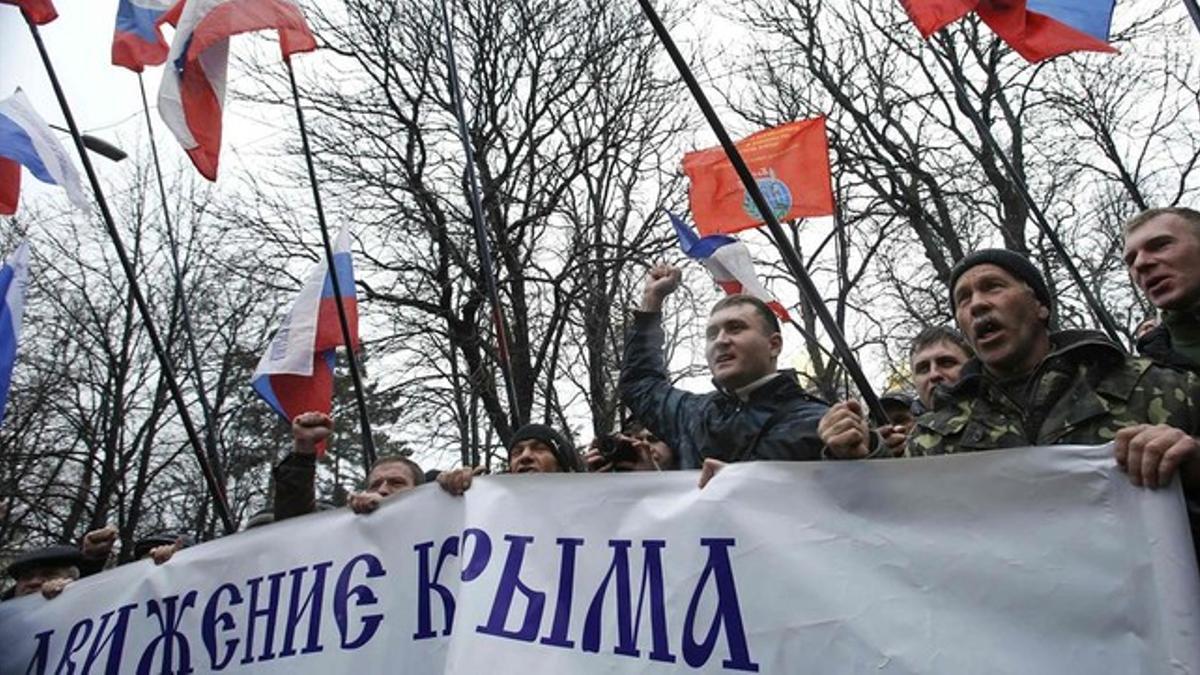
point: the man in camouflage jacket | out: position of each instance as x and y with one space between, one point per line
1027 386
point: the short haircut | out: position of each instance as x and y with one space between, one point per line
418 475
932 335
1190 216
769 319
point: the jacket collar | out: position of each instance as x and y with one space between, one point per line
1068 346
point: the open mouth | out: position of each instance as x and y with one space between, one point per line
724 358
986 328
1156 285
526 468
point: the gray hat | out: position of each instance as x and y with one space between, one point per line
1011 262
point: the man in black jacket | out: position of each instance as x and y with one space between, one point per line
757 411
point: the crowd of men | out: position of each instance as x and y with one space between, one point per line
1005 378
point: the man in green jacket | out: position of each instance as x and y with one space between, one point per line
1029 386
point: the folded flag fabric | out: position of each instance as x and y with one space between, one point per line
192 93
1035 29
295 375
728 261
790 164
25 139
14 277
41 11
137 38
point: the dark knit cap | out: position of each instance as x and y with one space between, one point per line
50 556
568 459
1013 263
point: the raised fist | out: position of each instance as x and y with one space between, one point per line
308 429
661 281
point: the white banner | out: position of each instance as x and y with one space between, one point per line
1022 561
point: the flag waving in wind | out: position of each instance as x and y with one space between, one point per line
1035 29
41 11
295 375
137 38
790 162
26 139
192 93
14 277
728 261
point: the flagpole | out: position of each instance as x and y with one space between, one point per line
1194 10
481 241
790 257
210 435
164 362
1039 218
368 440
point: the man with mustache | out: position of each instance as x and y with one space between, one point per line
1162 254
756 412
1029 386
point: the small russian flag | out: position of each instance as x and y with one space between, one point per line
14 277
728 261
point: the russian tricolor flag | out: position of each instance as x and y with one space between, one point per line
193 88
1035 29
14 277
728 261
25 139
137 38
295 375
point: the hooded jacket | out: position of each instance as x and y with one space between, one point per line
778 421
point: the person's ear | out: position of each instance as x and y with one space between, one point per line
776 342
1043 312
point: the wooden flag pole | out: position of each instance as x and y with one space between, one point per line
164 362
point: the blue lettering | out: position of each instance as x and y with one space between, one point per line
363 596
269 612
37 664
169 613
481 553
113 640
76 639
728 613
213 623
510 582
311 604
562 604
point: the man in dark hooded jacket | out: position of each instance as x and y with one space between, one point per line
756 412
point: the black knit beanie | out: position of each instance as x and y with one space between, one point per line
1013 263
568 459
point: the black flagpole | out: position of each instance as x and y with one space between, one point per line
481 241
368 441
210 432
1039 218
222 506
790 258
1194 10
